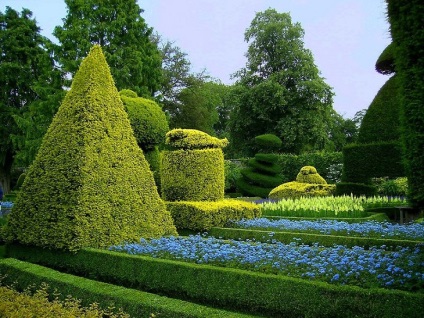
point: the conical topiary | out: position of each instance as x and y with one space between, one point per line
90 185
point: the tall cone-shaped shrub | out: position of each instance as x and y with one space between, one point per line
90 185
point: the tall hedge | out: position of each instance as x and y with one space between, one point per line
381 121
406 26
361 162
194 170
90 185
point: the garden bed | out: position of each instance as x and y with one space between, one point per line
273 295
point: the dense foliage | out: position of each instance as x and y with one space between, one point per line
90 184
405 17
280 90
263 171
361 162
30 90
381 121
117 26
147 119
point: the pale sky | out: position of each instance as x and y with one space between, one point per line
345 36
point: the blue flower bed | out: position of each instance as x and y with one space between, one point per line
414 231
376 267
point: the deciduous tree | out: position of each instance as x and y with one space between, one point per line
280 89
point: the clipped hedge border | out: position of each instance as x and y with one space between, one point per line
307 238
134 302
202 215
274 295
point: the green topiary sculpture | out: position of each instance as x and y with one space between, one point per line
194 171
308 183
90 185
193 181
149 124
262 174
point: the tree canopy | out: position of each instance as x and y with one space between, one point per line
280 90
28 79
123 34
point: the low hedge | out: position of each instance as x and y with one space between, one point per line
201 216
307 238
273 295
133 302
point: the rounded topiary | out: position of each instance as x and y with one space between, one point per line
381 121
386 61
309 174
268 142
294 189
195 170
147 118
262 173
308 183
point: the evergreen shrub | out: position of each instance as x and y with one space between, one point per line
308 183
147 119
322 161
296 189
89 184
381 121
194 170
361 162
202 216
193 139
193 175
262 173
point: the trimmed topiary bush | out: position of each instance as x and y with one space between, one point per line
268 142
386 61
147 119
381 121
190 173
308 183
89 185
309 174
262 173
361 162
193 139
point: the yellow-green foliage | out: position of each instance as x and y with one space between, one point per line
193 175
90 185
309 174
193 139
201 216
147 119
27 304
296 189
